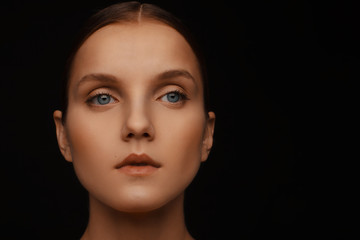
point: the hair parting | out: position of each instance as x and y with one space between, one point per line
128 12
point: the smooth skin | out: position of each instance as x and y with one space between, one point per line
135 88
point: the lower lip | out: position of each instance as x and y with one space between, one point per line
138 170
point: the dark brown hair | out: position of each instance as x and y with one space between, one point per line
132 12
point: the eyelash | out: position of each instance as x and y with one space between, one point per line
183 96
93 96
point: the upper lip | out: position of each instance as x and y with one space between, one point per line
138 159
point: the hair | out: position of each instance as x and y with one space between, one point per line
132 12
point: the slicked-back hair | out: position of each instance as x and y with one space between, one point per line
131 12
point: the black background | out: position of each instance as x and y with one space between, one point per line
282 82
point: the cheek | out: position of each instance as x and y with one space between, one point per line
95 140
181 139
91 139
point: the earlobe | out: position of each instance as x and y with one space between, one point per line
61 136
208 136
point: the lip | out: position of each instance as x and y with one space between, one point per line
138 165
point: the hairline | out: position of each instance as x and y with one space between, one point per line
136 13
130 21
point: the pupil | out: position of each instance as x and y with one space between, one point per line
103 99
173 97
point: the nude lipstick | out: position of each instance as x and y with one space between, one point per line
138 165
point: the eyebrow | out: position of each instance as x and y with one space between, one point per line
97 77
108 78
176 73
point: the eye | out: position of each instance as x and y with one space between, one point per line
102 99
173 97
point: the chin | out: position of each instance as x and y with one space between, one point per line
139 208
142 206
140 201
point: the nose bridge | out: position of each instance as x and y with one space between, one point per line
138 121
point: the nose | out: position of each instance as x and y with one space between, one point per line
138 125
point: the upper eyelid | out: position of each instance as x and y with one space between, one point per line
90 98
183 98
115 93
177 91
101 90
171 88
99 94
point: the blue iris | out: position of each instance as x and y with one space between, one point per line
173 97
103 99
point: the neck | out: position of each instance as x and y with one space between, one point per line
164 223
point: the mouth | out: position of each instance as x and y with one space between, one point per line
138 165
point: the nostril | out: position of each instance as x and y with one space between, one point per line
146 132
132 135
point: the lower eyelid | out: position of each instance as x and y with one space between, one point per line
91 98
183 97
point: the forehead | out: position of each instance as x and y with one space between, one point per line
132 49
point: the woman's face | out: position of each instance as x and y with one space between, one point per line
135 94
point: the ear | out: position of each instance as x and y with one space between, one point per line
61 136
208 136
